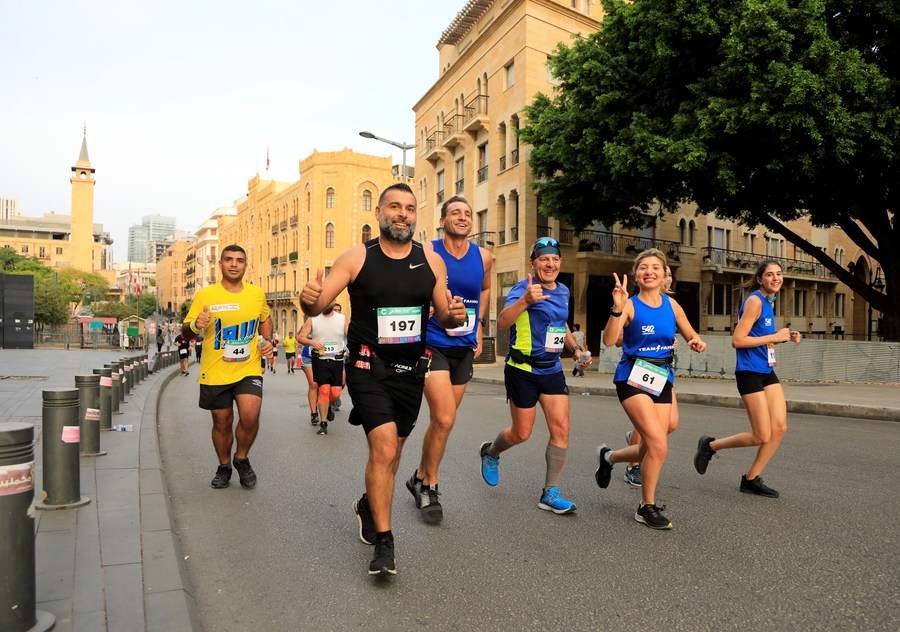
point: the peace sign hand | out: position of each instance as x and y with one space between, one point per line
620 292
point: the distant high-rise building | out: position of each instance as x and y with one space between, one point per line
152 228
9 208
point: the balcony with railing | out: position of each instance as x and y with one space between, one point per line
292 256
454 132
283 295
484 239
434 145
482 174
514 157
282 260
294 220
565 235
736 260
283 224
502 163
513 234
460 186
543 231
274 229
501 237
274 261
476 113
604 242
211 258
440 196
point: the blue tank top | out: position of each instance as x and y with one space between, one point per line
651 334
464 278
530 333
756 359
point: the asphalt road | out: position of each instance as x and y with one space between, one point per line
286 555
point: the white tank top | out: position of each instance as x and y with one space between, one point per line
329 330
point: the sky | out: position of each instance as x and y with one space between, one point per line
183 100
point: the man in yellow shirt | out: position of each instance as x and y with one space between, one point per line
290 350
233 318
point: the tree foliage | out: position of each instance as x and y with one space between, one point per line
110 310
762 111
50 306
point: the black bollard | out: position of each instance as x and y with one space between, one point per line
105 398
89 413
18 591
126 371
60 440
116 386
120 368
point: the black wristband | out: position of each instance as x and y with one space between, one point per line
612 312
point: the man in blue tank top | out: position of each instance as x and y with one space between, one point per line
452 350
391 280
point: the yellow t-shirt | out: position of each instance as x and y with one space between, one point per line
230 345
290 345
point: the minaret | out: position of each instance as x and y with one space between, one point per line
82 235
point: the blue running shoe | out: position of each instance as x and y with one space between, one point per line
552 501
489 466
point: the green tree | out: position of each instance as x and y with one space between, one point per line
111 309
50 306
761 112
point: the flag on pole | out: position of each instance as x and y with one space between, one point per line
267 160
130 276
138 289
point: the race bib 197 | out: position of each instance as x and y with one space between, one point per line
399 325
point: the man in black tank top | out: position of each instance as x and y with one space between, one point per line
392 281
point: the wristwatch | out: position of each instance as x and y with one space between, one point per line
612 312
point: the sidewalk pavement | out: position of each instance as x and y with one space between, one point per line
112 564
879 401
115 565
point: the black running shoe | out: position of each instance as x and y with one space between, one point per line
414 486
330 416
314 419
604 471
755 486
323 428
245 472
364 518
704 454
429 505
336 405
652 516
222 477
383 561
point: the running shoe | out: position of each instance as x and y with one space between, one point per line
364 518
314 419
489 466
756 486
652 516
633 475
245 472
604 470
628 437
336 405
330 415
323 428
222 477
551 500
704 454
426 499
383 561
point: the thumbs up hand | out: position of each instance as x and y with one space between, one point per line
313 289
533 292
203 318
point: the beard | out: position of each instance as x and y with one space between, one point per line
395 235
328 310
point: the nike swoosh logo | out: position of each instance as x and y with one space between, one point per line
418 265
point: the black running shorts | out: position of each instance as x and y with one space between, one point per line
330 372
625 390
753 382
458 360
524 388
396 398
221 396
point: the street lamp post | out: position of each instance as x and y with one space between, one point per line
274 274
402 146
875 284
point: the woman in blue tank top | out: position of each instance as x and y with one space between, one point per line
647 323
754 339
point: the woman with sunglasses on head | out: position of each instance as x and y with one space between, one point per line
644 376
536 312
633 437
754 339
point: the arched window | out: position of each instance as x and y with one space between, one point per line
682 231
366 233
367 200
329 235
308 241
329 197
692 230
